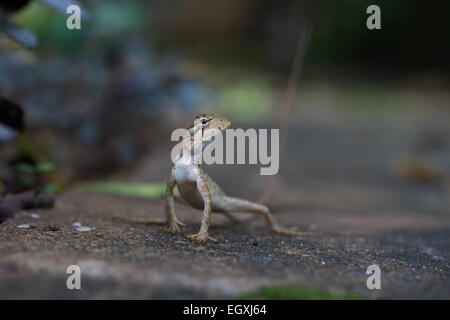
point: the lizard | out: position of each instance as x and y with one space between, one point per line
200 191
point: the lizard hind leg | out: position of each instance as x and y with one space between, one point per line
171 228
230 204
231 217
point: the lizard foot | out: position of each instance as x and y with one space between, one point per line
173 227
201 237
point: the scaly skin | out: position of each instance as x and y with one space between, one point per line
200 191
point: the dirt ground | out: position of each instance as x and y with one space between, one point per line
336 183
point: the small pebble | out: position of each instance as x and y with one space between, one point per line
23 226
323 262
76 224
83 229
35 215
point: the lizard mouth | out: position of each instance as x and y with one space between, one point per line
227 124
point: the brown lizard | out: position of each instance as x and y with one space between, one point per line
200 191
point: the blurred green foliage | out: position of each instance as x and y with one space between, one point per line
50 28
139 190
113 18
246 100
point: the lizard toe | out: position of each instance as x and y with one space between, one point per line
180 223
201 238
172 228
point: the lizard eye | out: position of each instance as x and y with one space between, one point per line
204 122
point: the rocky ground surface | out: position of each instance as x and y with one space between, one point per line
336 183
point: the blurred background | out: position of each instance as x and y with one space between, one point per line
371 106
364 118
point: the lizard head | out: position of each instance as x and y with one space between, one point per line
208 125
211 121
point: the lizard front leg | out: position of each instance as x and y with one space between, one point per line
202 235
171 220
